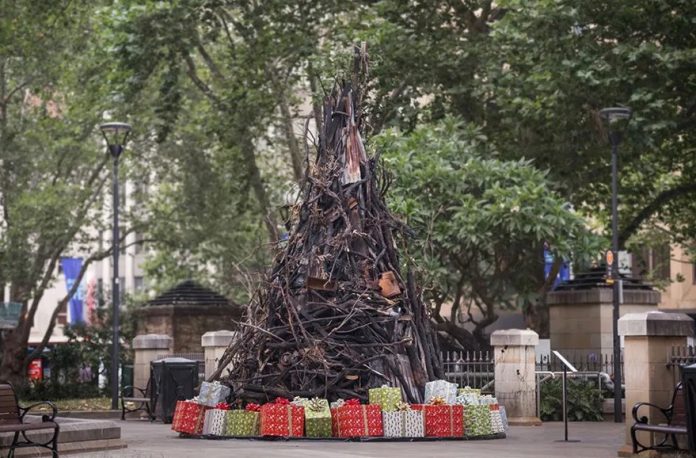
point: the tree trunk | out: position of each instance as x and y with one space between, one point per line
12 368
254 176
293 145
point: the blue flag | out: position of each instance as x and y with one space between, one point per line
71 269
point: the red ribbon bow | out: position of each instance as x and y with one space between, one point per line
352 402
252 407
280 400
222 406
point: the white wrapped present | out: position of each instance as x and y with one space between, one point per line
213 393
467 399
503 416
441 388
215 422
404 423
487 399
496 421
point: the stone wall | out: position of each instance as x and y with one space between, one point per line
186 324
580 321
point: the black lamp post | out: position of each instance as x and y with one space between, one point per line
115 134
615 120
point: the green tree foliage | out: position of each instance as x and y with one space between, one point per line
221 79
52 173
480 224
533 76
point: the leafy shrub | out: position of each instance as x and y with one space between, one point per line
75 366
584 400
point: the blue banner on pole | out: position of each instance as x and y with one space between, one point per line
563 273
71 269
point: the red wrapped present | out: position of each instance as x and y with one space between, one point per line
189 417
442 420
334 423
355 420
282 419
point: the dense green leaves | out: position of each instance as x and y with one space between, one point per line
480 221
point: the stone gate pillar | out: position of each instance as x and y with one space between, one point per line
148 348
515 374
214 344
648 376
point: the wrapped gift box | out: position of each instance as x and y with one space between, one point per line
442 389
477 420
388 398
488 400
403 423
215 422
213 393
476 392
442 420
282 419
189 417
242 423
356 420
334 422
317 418
466 399
503 416
496 420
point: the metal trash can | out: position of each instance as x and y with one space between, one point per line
689 389
173 379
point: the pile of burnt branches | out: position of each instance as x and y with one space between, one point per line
336 316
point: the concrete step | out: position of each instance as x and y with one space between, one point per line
76 435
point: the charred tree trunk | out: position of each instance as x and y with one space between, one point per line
336 316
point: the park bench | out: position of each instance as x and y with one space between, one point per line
141 399
675 414
12 420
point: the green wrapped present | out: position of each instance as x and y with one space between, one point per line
388 398
477 420
467 390
317 418
242 422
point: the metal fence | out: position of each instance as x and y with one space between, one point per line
680 356
582 361
477 370
469 368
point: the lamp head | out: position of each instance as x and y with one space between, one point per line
615 119
115 134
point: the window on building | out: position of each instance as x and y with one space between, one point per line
138 283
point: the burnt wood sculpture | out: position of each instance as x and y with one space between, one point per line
336 316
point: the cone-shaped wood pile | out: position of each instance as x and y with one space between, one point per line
336 316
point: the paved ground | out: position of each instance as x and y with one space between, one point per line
597 440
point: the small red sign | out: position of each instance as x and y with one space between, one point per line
610 257
35 370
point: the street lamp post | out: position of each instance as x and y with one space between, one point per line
615 120
115 134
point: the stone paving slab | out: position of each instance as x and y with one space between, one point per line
155 440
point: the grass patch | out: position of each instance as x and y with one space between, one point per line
75 404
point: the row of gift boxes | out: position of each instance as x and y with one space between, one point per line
287 420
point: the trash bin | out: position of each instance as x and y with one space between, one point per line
173 379
689 387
